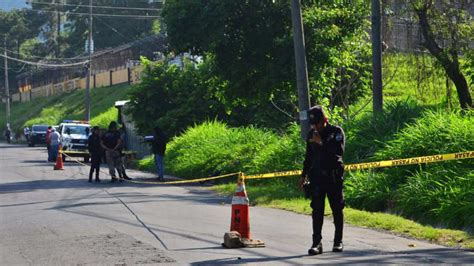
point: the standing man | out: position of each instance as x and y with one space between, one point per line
324 168
95 150
54 140
8 133
48 142
111 143
26 133
158 147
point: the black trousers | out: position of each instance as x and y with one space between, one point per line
95 165
336 201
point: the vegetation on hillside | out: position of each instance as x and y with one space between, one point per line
53 110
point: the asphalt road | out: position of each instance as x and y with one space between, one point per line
56 217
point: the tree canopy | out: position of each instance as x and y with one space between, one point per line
251 42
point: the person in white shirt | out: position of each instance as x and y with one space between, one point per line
55 140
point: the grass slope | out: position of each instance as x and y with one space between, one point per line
52 110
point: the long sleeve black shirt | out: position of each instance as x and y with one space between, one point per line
323 163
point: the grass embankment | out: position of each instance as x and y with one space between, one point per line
440 195
52 110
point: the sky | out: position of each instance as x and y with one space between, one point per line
9 4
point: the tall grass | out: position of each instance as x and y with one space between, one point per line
212 148
441 193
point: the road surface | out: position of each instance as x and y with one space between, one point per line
56 217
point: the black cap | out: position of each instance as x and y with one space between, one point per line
316 114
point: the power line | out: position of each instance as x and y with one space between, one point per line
100 7
41 57
99 15
43 64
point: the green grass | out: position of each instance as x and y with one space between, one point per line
52 110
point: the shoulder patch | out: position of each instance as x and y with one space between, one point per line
339 137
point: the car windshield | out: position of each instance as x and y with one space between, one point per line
39 128
81 130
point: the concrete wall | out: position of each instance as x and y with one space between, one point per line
102 79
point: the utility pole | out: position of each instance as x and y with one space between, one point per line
89 68
376 58
7 88
301 66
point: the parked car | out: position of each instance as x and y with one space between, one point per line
37 135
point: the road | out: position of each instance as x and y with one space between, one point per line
55 218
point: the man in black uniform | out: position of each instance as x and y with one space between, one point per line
95 150
324 167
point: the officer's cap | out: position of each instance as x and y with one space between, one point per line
316 114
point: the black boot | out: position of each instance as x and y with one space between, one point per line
338 247
316 248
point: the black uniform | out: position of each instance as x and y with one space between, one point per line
93 144
324 166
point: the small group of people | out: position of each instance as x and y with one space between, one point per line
112 143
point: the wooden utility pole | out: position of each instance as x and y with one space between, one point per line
377 57
301 66
7 88
89 68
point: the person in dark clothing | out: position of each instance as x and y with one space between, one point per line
123 136
158 147
111 143
324 167
95 150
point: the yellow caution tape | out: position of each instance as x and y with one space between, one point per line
413 160
184 181
380 164
271 175
349 167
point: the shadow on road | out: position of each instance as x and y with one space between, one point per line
419 256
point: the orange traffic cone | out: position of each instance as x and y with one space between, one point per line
59 161
240 218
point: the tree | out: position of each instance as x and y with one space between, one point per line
252 45
108 32
448 31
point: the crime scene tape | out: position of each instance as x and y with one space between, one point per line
380 164
349 167
151 182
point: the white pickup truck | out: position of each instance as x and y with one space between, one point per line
74 136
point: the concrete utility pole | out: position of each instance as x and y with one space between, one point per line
7 87
377 92
301 67
89 68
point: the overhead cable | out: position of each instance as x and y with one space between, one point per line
100 7
99 15
43 64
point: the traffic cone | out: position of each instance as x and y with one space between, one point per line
240 218
59 160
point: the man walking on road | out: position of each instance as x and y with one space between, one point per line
324 166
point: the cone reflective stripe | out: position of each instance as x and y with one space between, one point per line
240 219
